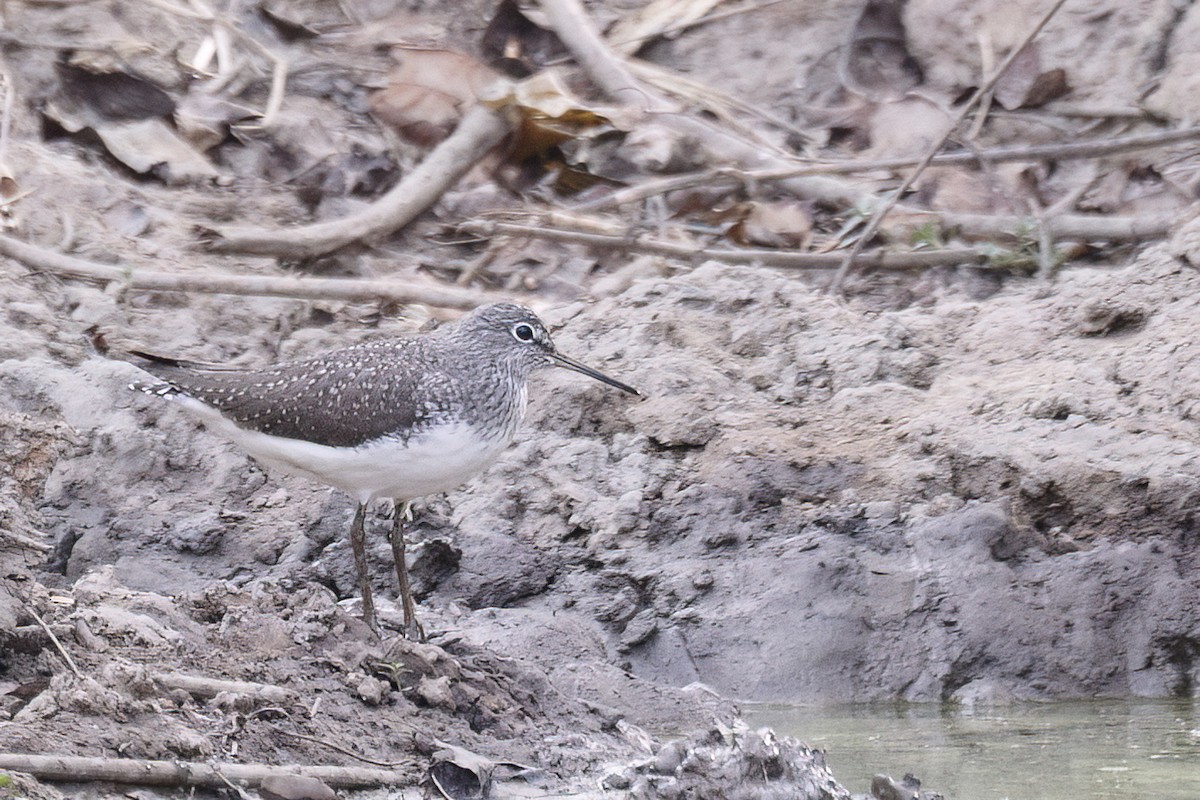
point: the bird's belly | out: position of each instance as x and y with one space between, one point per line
438 460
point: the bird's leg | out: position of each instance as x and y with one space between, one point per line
358 543
400 517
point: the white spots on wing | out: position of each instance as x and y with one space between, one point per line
364 393
156 389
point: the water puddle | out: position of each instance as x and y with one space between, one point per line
1099 750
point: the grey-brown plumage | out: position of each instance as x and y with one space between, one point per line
472 370
396 418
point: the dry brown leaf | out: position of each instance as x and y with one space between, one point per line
1107 194
652 147
1146 194
147 146
1025 84
1004 188
551 116
113 95
10 193
10 190
538 133
781 223
204 119
428 92
908 225
127 113
150 146
547 95
460 773
294 21
877 64
700 200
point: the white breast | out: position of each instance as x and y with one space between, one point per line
442 459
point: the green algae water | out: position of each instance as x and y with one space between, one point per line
1087 750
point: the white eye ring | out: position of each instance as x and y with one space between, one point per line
523 332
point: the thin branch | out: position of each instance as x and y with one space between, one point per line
719 103
1064 226
630 46
225 27
772 258
10 96
894 198
205 687
21 540
279 71
348 289
53 639
654 19
233 786
480 130
608 70
336 747
987 61
1020 228
597 57
1065 109
189 773
1061 152
688 89
437 784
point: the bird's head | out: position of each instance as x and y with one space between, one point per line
515 334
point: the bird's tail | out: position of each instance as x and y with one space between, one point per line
163 367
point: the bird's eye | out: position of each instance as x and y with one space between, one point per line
523 332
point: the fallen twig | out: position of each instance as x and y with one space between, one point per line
279 71
480 130
894 198
573 27
343 750
600 233
677 16
10 95
58 645
597 57
188 773
611 74
21 540
349 289
204 687
1066 109
987 62
628 43
720 104
773 258
225 27
1060 152
1062 226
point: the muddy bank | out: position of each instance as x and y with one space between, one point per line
966 485
277 674
970 500
975 500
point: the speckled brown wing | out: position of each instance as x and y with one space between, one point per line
350 396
